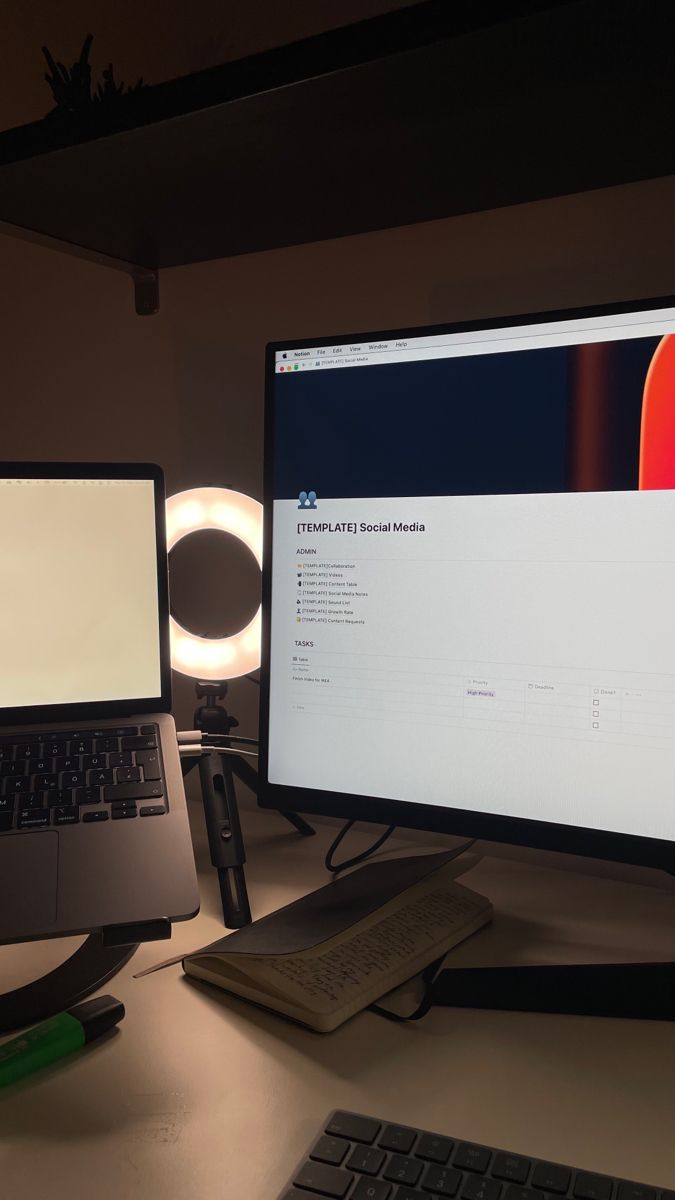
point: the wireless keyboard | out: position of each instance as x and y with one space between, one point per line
92 775
363 1158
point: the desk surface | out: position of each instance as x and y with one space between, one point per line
201 1096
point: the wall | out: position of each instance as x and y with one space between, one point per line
83 377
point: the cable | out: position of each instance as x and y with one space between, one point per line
215 739
197 749
335 868
199 737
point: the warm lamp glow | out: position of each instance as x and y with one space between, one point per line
240 515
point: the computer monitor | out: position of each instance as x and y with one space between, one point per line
469 580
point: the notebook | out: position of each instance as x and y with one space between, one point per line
324 958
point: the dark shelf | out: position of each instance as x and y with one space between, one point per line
430 111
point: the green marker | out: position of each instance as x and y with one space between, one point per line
57 1037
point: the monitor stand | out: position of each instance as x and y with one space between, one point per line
637 990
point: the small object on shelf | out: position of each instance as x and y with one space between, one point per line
71 86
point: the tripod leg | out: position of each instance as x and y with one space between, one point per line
303 827
224 833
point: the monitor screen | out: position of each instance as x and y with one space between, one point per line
470 577
79 603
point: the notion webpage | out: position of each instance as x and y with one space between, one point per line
79 618
503 651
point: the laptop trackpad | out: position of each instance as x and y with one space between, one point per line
28 882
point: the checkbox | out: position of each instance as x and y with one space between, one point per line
596 701
596 724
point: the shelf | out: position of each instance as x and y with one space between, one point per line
430 111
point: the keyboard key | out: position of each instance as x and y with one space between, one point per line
73 779
88 795
149 730
81 746
635 1191
444 1180
136 791
149 761
6 821
54 748
434 1149
376 1189
28 750
327 1181
123 758
38 766
60 796
128 775
8 803
366 1160
141 742
592 1187
99 778
329 1149
94 761
551 1178
66 815
404 1193
511 1167
478 1188
401 1169
46 783
472 1158
514 1192
9 769
16 785
33 818
103 745
95 814
67 762
355 1128
395 1137
153 810
122 812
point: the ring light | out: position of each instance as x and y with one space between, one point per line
238 514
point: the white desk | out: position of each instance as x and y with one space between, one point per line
200 1096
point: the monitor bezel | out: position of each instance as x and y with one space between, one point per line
93 710
632 849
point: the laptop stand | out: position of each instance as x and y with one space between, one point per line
101 956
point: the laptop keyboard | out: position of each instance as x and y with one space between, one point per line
72 776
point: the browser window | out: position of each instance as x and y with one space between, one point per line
472 597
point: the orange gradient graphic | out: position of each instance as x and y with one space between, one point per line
657 434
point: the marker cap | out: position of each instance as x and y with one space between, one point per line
97 1016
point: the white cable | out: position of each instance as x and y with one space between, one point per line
191 751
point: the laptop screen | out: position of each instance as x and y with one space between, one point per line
79 609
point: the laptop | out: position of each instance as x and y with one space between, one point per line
93 821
